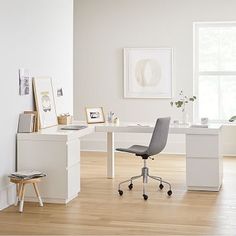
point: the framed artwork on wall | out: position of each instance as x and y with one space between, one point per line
95 115
148 72
44 100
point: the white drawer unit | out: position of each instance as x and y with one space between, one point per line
57 153
204 162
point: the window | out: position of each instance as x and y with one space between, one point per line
215 70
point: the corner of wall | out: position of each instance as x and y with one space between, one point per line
7 196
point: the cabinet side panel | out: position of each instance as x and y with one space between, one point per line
202 172
73 181
202 146
48 157
73 152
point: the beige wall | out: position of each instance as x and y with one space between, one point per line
103 28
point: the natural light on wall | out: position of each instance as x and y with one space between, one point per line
215 70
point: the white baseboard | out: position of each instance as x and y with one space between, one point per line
7 196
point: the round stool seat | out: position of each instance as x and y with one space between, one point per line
25 181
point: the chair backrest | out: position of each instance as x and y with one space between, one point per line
159 136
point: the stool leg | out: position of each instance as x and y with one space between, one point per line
38 195
20 187
17 194
22 198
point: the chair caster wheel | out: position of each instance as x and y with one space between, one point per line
161 186
120 192
130 186
169 192
145 197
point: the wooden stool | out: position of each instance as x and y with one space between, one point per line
20 190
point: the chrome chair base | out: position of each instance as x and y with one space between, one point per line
145 175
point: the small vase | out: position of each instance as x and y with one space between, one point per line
184 117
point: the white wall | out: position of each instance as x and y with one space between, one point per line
38 35
103 28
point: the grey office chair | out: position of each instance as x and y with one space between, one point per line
157 144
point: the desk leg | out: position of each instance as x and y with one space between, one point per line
110 155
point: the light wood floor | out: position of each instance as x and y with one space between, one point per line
99 210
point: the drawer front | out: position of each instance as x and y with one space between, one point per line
73 181
73 152
203 172
202 146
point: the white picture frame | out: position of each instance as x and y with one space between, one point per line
95 115
148 72
44 101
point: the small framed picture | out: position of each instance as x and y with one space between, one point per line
95 115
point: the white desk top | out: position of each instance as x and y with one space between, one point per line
55 132
131 127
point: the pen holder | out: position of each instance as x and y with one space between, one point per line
64 120
110 117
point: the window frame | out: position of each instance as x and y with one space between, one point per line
197 73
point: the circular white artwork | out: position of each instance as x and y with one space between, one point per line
148 72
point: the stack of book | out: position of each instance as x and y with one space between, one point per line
27 174
28 122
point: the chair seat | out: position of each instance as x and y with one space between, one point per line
136 149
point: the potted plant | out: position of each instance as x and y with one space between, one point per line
181 104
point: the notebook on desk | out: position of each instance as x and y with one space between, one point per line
74 127
199 126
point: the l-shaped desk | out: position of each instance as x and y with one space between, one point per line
57 153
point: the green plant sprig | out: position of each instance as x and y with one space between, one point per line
182 101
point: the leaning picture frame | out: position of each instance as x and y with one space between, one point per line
94 115
44 101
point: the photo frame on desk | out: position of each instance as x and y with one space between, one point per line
44 101
95 115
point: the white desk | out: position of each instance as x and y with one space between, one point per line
57 153
204 165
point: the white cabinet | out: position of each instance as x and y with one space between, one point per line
57 153
204 163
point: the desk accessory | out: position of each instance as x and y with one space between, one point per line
36 120
26 123
204 120
110 117
181 104
199 126
95 115
74 127
116 121
176 122
64 119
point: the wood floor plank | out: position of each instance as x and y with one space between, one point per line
99 210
